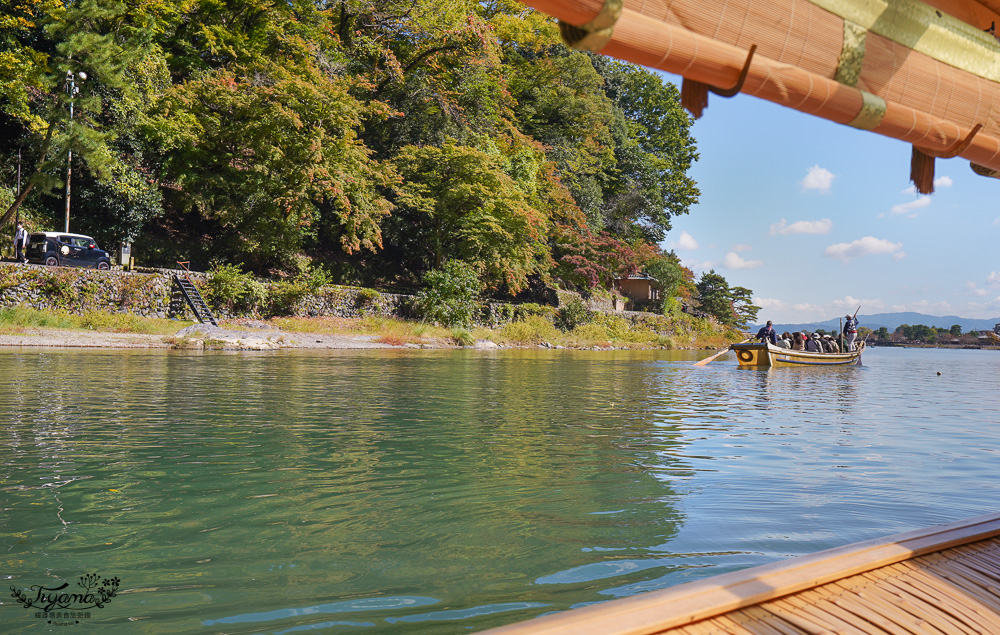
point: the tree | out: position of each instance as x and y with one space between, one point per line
270 155
883 333
675 278
43 44
654 151
716 298
745 310
586 261
956 330
456 202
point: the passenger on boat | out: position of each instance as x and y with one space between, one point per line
813 344
831 343
786 340
850 332
799 341
766 333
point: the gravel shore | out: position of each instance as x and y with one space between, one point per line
192 337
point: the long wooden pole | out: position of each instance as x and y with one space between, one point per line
720 353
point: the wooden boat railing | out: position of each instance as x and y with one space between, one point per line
681 608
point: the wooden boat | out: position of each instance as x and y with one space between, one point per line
944 579
763 354
926 73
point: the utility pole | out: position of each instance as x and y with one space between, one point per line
72 90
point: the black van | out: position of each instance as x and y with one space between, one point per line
68 250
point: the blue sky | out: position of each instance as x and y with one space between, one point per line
818 218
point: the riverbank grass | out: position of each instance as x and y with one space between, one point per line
16 319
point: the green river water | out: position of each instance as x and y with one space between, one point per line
450 491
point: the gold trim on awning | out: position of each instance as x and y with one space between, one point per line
923 28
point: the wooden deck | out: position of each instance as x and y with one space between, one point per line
940 580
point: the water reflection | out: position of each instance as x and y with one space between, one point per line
215 483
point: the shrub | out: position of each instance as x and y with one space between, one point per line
285 295
58 285
532 330
591 333
366 299
462 337
234 290
528 309
450 295
572 315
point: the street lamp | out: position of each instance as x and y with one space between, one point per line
72 91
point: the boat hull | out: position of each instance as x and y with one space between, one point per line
765 355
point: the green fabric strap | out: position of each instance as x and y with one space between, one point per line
594 35
872 111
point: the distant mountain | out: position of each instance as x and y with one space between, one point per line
892 321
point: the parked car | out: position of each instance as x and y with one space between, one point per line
68 250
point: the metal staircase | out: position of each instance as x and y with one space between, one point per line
183 287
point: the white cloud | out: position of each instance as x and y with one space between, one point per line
905 208
818 179
867 246
734 261
974 289
943 181
686 241
739 248
993 279
822 226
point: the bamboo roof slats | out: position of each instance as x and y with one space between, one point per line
942 579
925 74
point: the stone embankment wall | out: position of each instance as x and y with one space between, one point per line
147 293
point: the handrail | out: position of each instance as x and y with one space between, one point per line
184 265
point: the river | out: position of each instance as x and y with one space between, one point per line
450 491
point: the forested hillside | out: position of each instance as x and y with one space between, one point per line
372 140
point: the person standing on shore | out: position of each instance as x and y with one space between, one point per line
20 242
850 332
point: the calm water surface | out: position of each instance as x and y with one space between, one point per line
451 491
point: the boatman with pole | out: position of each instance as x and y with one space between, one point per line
851 329
767 333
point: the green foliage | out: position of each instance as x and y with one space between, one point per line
457 202
365 299
236 291
572 314
732 307
113 322
57 284
382 139
450 295
675 279
590 333
462 337
26 316
534 329
529 309
916 333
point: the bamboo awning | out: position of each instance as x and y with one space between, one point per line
926 74
945 579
